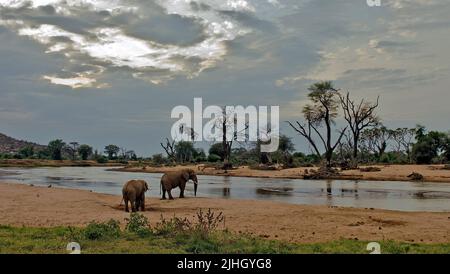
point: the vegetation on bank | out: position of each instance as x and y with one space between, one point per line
177 235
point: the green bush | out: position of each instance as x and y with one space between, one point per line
102 160
99 231
213 158
139 224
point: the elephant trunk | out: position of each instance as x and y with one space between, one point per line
195 188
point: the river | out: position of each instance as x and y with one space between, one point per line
403 196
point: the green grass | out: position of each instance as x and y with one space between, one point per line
54 240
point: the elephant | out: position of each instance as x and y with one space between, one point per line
134 191
175 179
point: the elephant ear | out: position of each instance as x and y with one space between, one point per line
185 175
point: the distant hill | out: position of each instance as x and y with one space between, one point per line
11 145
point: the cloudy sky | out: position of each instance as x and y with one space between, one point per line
110 71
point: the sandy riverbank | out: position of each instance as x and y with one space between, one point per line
431 173
23 205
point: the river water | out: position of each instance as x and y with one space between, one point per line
403 196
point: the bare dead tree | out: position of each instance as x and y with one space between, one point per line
359 116
226 123
169 148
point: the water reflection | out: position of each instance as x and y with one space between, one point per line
407 196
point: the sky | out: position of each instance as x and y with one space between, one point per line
110 71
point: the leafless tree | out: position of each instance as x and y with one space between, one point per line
359 116
226 123
169 148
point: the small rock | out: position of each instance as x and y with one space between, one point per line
31 185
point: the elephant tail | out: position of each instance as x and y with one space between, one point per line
160 186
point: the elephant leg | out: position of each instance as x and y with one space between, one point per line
163 193
181 192
133 202
126 204
169 191
143 204
138 204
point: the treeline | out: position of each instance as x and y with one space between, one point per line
60 150
339 130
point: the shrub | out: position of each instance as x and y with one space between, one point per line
139 224
102 160
204 224
213 158
98 231
172 226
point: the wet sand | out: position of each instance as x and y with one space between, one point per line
23 205
431 173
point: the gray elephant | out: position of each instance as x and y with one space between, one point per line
134 191
173 179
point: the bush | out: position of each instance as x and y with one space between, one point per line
172 226
98 231
102 160
213 158
139 224
206 223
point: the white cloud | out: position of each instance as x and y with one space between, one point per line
113 47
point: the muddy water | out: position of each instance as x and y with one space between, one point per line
404 196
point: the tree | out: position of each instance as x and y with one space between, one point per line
55 148
73 149
376 140
321 113
403 140
217 149
358 116
85 151
169 148
430 146
226 123
111 151
184 151
26 151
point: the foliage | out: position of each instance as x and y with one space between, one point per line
158 159
217 149
112 151
55 148
85 151
184 151
213 158
101 231
138 224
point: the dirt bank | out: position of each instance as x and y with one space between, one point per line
431 173
37 206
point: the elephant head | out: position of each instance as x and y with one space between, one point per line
189 174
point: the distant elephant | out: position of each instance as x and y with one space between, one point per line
134 191
175 179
